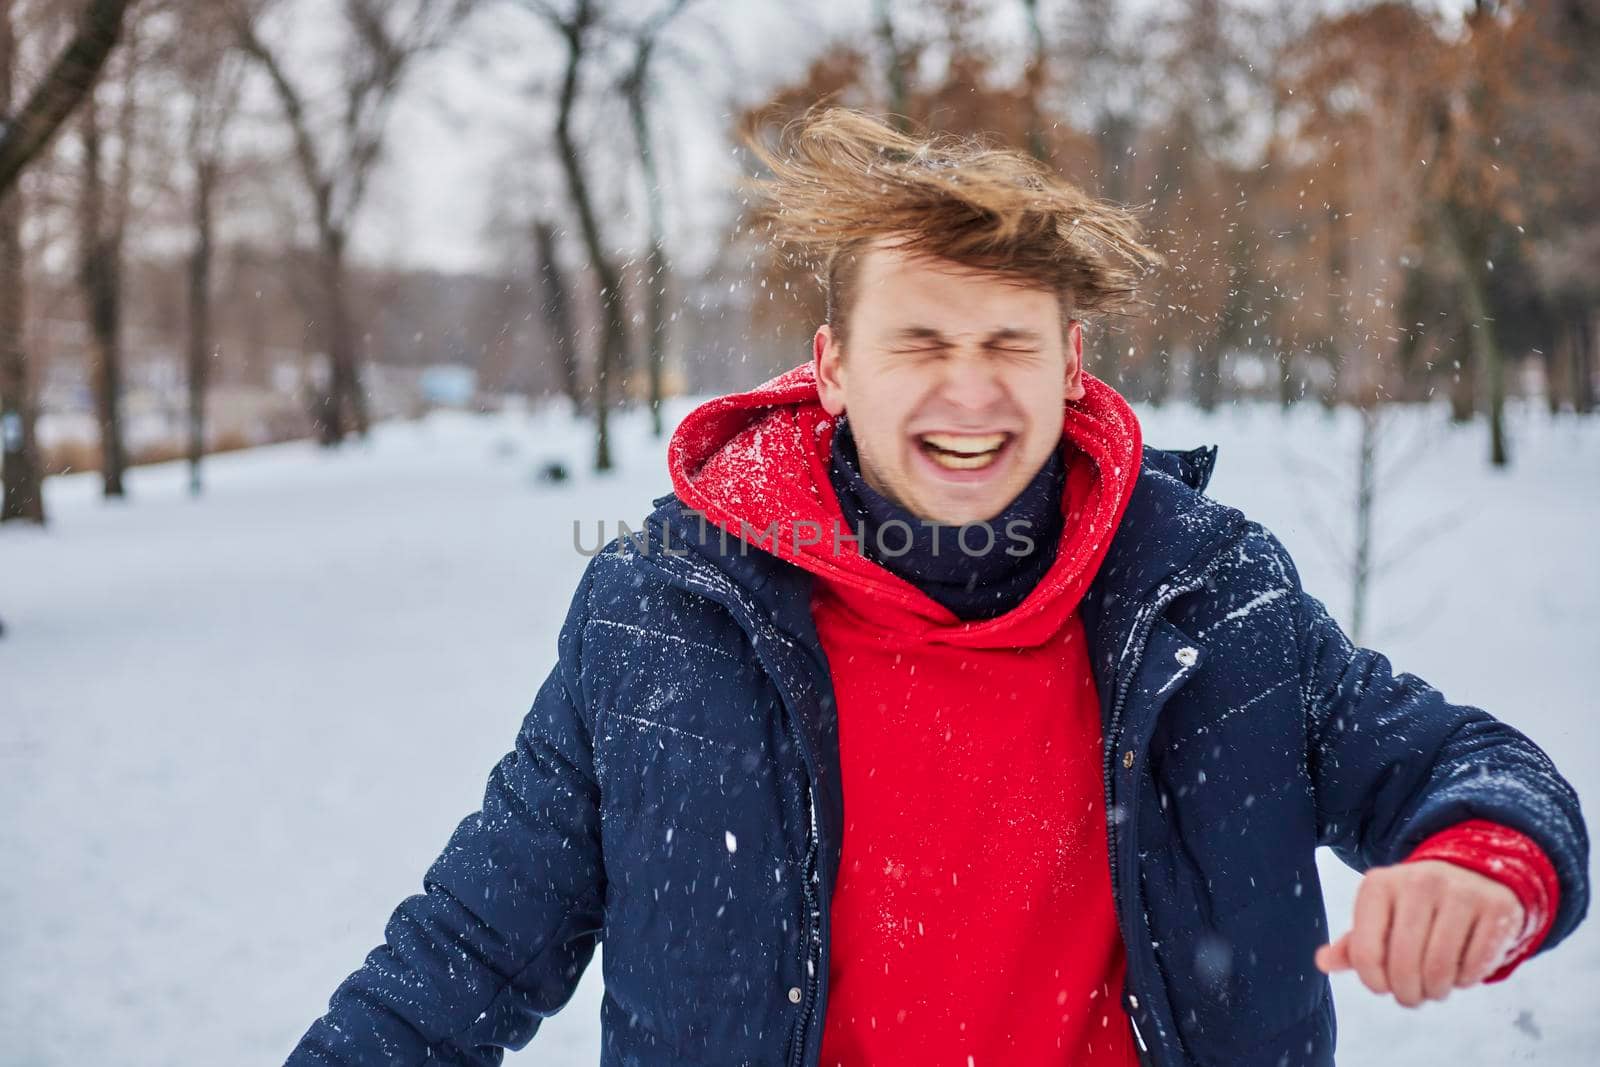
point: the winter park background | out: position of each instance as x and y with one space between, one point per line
282 559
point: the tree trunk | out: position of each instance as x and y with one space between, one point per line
657 273
1337 302
1464 385
19 459
200 316
1558 369
1205 376
553 291
1467 241
344 407
1114 138
1366 494
658 278
1486 351
896 64
1158 378
1286 378
1585 338
100 278
1034 79
614 336
71 78
24 498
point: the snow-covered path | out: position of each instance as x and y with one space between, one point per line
234 732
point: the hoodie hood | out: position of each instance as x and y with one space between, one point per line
755 465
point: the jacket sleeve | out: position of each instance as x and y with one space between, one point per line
1393 762
510 911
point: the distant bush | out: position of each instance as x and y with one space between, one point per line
65 457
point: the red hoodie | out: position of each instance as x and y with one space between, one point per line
973 920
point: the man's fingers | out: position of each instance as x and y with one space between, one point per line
1424 929
1414 911
1491 936
1334 957
1475 954
1448 939
1368 939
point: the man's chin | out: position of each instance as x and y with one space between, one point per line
959 508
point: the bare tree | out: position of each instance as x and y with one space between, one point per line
1478 190
210 71
1105 63
104 204
896 60
1034 77
24 134
553 302
1551 132
1450 101
1203 63
579 29
27 132
23 499
636 87
384 41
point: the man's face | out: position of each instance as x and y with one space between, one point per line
954 383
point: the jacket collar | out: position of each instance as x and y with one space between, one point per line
1168 529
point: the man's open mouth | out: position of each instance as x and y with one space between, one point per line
963 452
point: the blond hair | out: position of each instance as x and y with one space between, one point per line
841 180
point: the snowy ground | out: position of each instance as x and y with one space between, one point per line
234 732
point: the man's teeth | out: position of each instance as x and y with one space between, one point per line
967 444
961 463
963 451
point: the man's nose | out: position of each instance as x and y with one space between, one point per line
973 382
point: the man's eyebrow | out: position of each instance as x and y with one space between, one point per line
1013 333
928 333
919 333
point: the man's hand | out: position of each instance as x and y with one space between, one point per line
1425 928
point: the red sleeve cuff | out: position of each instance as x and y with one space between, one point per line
1515 861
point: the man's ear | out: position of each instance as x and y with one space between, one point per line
1075 389
827 356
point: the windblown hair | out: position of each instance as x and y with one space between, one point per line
841 179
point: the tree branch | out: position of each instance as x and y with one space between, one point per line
294 111
70 79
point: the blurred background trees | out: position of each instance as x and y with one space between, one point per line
207 239
335 154
29 119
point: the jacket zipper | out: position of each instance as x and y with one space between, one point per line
810 934
1141 639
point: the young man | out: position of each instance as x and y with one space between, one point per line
941 722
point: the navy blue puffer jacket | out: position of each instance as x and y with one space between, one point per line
675 791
